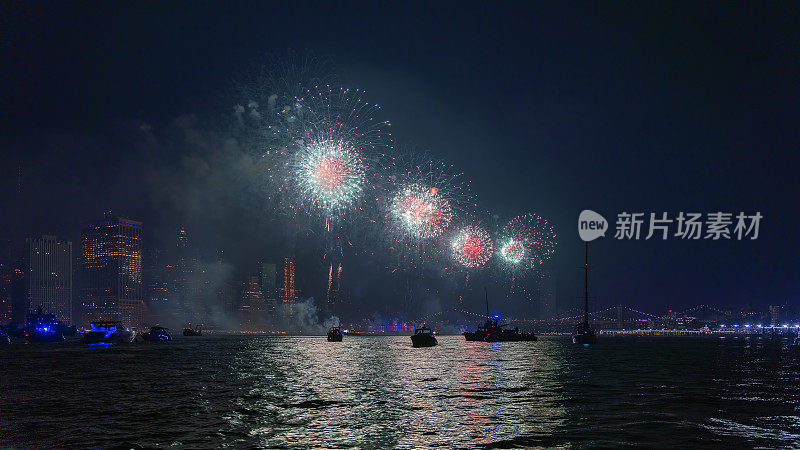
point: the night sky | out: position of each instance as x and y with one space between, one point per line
552 108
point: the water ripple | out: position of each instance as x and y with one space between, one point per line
379 392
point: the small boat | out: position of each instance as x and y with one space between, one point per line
423 337
584 334
108 332
189 331
42 327
157 334
4 339
334 335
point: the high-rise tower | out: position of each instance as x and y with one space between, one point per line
48 265
111 266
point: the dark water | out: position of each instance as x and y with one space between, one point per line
378 392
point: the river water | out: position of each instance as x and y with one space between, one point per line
379 392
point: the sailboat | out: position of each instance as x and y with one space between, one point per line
584 334
483 330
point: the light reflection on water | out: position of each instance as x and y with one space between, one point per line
379 392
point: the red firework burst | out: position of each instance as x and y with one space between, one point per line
472 246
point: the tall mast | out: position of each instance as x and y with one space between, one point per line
486 296
586 289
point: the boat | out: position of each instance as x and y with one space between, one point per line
423 337
334 335
483 330
481 333
157 334
42 327
189 331
493 331
4 338
500 334
108 332
584 334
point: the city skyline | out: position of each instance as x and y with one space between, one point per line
606 126
178 289
468 224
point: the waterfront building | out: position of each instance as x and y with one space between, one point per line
111 271
48 275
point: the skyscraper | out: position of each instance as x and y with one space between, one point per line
267 275
155 273
252 306
111 266
6 279
49 276
227 290
189 283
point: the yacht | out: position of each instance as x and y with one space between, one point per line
108 332
157 334
423 337
42 327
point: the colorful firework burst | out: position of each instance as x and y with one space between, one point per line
512 251
334 147
471 246
526 242
421 211
319 148
424 197
330 175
